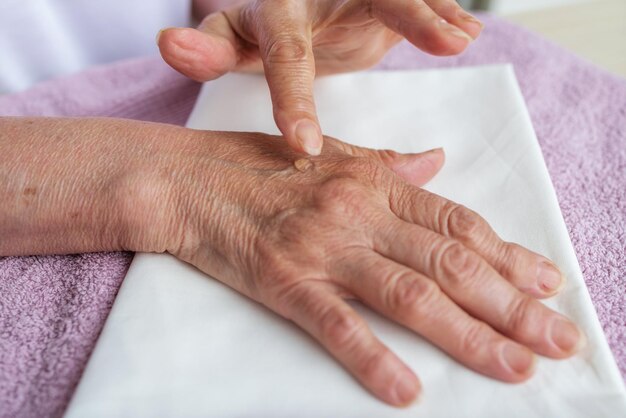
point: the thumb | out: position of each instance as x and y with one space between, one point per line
417 169
201 54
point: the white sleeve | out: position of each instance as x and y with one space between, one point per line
40 39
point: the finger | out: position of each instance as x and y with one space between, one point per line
454 14
526 270
418 303
417 169
285 46
332 322
421 26
202 54
475 286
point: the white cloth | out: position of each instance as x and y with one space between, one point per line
180 344
40 39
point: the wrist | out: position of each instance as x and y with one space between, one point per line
150 198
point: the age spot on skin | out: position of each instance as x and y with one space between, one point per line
303 164
30 191
28 195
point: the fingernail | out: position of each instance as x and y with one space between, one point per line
159 33
406 389
403 160
454 31
435 150
567 336
470 18
517 358
549 277
433 156
309 137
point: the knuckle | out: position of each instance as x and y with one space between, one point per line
339 328
386 155
287 49
400 198
295 101
369 169
519 321
410 295
362 165
430 201
291 225
273 282
342 194
459 265
475 338
514 258
462 222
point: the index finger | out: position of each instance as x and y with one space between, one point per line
287 54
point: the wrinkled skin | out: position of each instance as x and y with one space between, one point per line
353 225
293 40
298 237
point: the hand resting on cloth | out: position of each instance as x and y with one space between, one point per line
353 224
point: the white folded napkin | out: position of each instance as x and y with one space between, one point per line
180 344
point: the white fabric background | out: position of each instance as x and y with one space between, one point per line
178 343
40 39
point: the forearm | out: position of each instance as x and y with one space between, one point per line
71 185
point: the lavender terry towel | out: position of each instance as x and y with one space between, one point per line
53 308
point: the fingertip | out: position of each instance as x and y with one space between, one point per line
308 137
518 361
469 23
566 337
437 156
460 18
425 27
406 390
441 38
166 35
453 39
393 382
200 56
549 278
158 35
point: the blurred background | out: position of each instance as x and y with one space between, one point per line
593 29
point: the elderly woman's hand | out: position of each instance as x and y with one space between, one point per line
298 235
351 224
292 40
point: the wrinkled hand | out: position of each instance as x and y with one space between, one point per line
293 40
351 223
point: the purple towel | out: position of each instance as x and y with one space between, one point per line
53 308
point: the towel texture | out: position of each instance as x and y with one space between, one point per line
53 308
